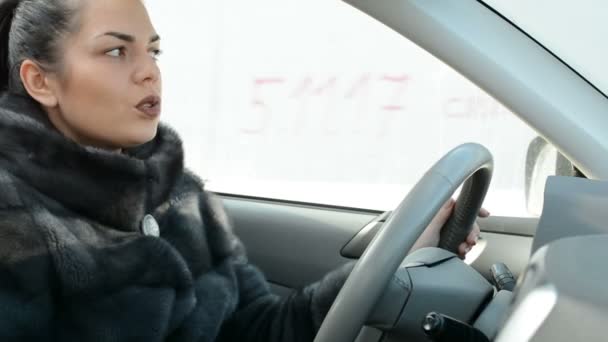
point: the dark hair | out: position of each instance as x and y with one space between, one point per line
32 29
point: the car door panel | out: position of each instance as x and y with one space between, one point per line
295 244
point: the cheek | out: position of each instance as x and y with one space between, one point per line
94 96
91 86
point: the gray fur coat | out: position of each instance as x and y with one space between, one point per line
76 265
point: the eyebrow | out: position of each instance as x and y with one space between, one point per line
127 37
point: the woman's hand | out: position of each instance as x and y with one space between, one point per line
430 236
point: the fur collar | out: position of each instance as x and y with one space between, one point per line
113 189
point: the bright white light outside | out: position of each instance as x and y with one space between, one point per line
314 101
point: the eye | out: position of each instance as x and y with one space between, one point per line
156 53
117 52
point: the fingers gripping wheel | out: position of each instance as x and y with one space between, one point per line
467 206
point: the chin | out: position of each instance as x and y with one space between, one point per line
140 137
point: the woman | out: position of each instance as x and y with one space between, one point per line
103 234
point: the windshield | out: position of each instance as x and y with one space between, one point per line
573 30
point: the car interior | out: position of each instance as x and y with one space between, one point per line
529 278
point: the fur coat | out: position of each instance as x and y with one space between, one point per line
102 246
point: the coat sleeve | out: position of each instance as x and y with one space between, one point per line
26 300
263 316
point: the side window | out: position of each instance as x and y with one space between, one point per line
275 99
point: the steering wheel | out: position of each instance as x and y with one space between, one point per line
468 162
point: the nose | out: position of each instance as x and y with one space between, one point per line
146 71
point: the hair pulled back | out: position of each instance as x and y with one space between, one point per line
32 29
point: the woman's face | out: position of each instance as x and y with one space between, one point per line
109 86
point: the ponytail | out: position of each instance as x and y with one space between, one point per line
7 12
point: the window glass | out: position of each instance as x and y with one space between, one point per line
314 101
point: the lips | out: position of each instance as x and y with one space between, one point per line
150 106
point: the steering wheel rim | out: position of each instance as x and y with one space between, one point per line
468 162
468 204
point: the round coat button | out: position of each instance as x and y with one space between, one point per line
149 226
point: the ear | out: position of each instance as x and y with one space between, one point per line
37 83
